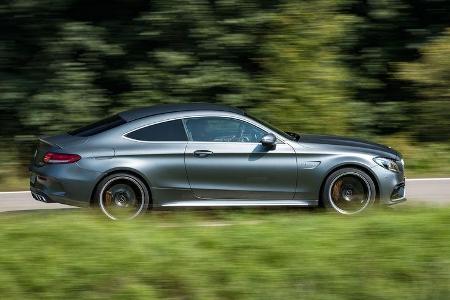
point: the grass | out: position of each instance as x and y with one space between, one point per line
15 183
13 175
391 254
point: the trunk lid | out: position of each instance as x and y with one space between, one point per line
55 143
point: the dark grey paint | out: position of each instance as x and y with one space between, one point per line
342 141
242 171
290 173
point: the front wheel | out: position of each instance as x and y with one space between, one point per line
122 196
348 191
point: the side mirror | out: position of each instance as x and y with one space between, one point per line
269 140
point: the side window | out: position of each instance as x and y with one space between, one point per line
169 131
217 129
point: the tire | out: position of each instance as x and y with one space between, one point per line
348 191
122 196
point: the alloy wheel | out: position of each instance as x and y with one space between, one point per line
122 198
350 193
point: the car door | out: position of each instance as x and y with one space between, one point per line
225 160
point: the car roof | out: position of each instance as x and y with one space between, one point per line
143 112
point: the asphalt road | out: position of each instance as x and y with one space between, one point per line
432 191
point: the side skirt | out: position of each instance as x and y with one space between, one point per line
214 203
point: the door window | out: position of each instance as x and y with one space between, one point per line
217 129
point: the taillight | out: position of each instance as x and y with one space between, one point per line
60 158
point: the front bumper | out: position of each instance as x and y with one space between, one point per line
391 186
398 194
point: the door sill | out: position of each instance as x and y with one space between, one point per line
199 203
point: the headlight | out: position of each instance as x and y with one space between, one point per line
387 163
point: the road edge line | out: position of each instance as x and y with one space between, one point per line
427 179
15 192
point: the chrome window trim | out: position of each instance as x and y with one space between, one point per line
189 139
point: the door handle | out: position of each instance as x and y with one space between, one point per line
202 153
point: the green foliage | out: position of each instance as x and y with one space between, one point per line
193 57
431 78
70 90
304 78
422 159
384 255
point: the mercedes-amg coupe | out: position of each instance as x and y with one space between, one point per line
206 155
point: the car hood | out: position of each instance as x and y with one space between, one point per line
343 141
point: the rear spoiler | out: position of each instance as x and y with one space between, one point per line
62 140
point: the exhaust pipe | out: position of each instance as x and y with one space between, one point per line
39 197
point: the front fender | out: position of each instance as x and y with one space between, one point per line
313 170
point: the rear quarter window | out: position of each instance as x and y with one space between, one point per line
170 131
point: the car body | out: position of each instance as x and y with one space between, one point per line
208 155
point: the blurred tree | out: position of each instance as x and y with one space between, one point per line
70 95
203 55
305 83
24 25
430 77
390 32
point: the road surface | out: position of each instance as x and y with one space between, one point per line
433 191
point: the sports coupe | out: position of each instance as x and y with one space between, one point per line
192 155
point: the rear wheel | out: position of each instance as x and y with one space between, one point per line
348 191
122 196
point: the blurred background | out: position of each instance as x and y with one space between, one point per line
376 69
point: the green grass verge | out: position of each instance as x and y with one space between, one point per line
395 254
16 183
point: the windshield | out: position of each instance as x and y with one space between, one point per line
273 128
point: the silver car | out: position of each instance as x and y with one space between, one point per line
204 155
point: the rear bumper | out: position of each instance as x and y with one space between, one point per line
65 183
39 196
